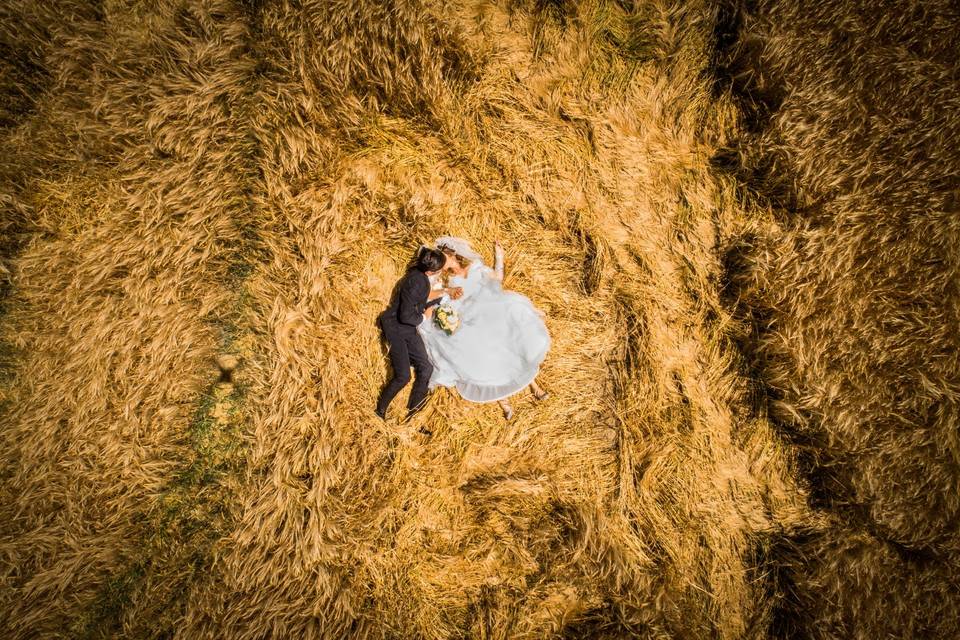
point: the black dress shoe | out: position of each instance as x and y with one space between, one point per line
415 410
382 416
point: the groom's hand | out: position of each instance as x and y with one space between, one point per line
455 292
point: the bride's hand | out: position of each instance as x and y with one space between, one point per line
455 292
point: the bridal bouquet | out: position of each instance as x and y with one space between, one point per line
447 318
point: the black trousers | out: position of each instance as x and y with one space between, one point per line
406 350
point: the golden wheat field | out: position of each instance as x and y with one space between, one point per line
741 220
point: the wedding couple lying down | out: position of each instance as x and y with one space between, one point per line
453 322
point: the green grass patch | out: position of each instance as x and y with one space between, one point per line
181 530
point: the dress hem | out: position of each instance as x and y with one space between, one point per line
502 391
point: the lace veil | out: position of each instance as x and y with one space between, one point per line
459 245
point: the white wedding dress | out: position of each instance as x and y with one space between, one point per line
499 346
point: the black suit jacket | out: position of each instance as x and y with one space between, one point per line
410 300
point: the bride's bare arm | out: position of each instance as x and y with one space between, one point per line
453 292
498 261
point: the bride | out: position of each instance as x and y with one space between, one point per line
501 340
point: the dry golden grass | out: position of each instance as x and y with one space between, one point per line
191 180
851 284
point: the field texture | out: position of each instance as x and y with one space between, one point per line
742 222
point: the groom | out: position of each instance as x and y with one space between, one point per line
413 300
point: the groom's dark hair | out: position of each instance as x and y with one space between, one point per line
429 260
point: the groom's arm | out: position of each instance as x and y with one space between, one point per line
413 300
